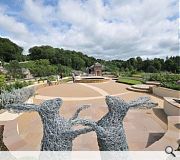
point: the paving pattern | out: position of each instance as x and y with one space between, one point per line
139 124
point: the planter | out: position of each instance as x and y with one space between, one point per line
165 92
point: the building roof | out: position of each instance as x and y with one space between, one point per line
97 64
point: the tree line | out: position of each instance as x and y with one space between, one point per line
46 60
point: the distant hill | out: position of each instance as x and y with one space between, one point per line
10 51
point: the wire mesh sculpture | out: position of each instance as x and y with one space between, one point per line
15 96
109 129
114 138
58 133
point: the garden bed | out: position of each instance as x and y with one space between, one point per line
166 80
129 81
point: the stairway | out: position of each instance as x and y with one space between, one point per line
144 88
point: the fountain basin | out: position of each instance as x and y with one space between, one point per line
93 79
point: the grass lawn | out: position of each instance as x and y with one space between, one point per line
129 81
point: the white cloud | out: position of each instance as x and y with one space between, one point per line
11 25
36 12
119 29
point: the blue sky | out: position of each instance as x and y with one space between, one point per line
108 29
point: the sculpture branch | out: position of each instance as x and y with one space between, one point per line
142 102
94 127
58 133
12 98
76 114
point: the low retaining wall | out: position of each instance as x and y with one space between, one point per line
41 85
171 108
91 81
165 92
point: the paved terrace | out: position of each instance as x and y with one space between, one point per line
143 127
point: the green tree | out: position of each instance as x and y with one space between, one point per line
41 68
77 63
151 69
14 69
10 51
157 64
139 63
64 70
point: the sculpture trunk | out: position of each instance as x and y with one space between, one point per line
112 122
58 133
2 145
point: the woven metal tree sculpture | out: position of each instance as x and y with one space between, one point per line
110 132
15 96
114 138
58 133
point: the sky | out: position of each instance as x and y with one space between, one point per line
106 29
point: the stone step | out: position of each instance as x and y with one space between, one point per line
141 86
138 90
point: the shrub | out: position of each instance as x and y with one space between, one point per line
16 85
171 85
129 81
2 81
166 80
51 78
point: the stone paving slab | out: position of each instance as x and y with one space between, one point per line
68 90
111 87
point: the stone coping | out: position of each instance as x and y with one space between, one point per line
7 116
172 102
91 80
142 86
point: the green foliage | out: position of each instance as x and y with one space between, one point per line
51 78
42 79
129 80
166 79
46 61
10 51
41 68
14 69
2 80
162 77
137 75
171 85
66 71
16 85
71 59
134 65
